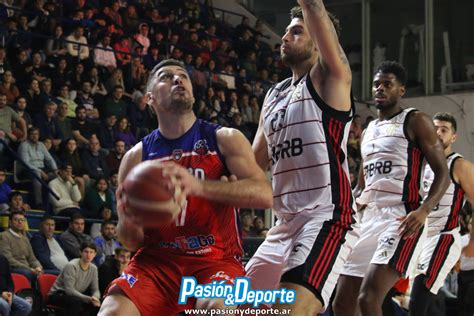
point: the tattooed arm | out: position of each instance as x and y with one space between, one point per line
332 75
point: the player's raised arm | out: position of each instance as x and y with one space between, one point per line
331 75
129 231
464 175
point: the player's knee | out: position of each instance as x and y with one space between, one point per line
366 298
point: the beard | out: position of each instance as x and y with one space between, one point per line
293 58
181 105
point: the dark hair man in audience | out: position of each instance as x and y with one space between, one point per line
93 160
113 267
16 247
7 117
36 156
114 158
82 129
47 248
77 287
73 237
106 132
10 304
48 125
106 243
68 191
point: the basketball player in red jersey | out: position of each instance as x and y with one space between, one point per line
393 148
203 241
302 137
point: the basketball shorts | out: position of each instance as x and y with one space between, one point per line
152 281
439 254
304 250
380 243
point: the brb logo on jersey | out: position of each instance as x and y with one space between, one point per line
201 147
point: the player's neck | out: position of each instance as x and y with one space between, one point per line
448 151
301 69
175 125
389 112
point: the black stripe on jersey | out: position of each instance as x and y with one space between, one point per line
404 253
343 116
440 254
411 184
456 206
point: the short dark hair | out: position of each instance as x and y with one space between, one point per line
46 218
105 223
297 12
446 117
164 63
88 244
395 68
13 194
16 212
118 250
75 216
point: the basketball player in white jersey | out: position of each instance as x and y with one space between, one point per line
392 226
302 136
442 247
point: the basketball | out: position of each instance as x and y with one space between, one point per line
147 196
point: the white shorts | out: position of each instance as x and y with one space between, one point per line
316 247
438 256
380 243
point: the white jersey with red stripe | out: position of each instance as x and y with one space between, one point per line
307 146
392 163
445 216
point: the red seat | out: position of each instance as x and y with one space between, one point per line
20 282
45 282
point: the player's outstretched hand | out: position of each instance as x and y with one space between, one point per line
412 223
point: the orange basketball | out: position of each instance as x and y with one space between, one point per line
147 195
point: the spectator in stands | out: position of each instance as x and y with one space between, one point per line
356 127
238 124
47 247
123 51
124 133
61 75
115 103
10 304
142 37
20 108
65 97
7 117
5 191
112 267
56 46
76 289
115 156
86 99
36 156
141 117
4 64
106 242
77 77
48 125
93 159
46 94
107 132
138 74
82 129
33 98
105 59
68 191
64 122
19 68
16 247
77 47
152 58
116 79
246 222
16 204
130 19
105 216
74 236
368 119
96 197
8 87
39 70
98 90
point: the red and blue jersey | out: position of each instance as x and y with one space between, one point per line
204 228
